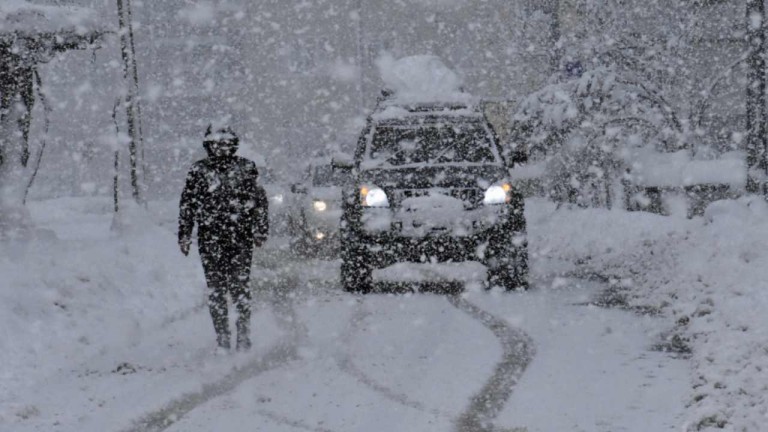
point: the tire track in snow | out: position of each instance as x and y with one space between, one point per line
518 351
277 418
165 417
277 356
183 315
345 363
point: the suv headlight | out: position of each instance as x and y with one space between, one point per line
319 205
373 197
497 194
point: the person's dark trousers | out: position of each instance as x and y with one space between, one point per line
227 272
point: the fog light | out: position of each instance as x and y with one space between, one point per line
319 205
319 235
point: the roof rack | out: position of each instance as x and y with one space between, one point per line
415 106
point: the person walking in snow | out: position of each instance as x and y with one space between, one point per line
223 197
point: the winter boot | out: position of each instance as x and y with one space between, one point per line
243 335
217 305
222 339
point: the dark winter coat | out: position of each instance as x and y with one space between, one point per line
223 197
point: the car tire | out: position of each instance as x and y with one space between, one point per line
356 279
520 281
356 270
508 269
356 275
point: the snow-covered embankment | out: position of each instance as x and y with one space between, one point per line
707 275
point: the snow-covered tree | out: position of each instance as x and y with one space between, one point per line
632 76
586 126
29 35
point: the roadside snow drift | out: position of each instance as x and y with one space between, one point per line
104 329
707 276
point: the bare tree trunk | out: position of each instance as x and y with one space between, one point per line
131 102
756 86
116 182
116 179
46 115
136 89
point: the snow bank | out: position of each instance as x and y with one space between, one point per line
86 289
420 78
23 16
678 169
708 275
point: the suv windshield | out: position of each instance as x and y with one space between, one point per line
434 143
325 176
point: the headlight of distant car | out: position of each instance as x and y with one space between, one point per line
319 205
373 196
278 198
497 194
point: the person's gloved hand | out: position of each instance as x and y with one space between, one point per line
184 246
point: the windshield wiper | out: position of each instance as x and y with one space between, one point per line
390 157
445 150
393 155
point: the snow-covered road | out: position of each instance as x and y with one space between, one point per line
325 360
328 361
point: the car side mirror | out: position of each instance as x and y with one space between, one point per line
515 158
342 162
298 189
342 166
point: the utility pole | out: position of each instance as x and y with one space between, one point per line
756 87
131 97
552 8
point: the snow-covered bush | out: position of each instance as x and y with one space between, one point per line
631 75
587 127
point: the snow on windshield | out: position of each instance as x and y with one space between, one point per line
437 143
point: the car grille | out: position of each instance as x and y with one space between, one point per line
471 197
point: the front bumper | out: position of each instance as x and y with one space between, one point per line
386 248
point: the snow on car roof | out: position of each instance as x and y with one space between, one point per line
394 112
421 78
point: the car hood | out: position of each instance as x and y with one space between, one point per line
435 176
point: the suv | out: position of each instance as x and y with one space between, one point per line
431 184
